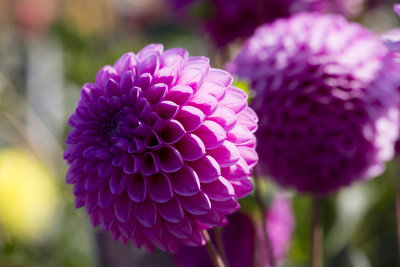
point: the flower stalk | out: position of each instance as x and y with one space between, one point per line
264 211
316 233
216 258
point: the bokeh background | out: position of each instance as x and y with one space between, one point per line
48 49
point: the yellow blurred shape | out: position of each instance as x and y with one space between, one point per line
28 196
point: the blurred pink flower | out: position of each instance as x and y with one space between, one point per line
326 95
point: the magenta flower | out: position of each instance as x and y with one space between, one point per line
161 147
244 241
327 101
231 19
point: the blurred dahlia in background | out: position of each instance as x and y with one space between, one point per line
243 239
227 20
28 197
161 147
326 94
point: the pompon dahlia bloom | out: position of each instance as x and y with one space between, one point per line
244 241
161 147
231 19
327 101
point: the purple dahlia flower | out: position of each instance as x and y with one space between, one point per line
244 241
327 101
231 19
161 147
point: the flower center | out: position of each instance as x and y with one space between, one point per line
112 127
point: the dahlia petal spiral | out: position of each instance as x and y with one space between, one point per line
327 101
158 150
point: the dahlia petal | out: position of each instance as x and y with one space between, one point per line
137 188
249 155
91 202
224 117
76 166
167 75
180 94
190 147
211 133
159 188
237 171
171 210
198 204
227 206
182 229
218 190
152 141
172 59
205 102
196 239
150 164
127 82
105 169
119 182
93 183
170 159
146 212
112 88
90 166
145 108
192 77
103 154
240 134
172 52
172 132
71 178
79 201
154 121
127 62
213 88
156 92
248 118
185 181
143 81
190 117
122 208
220 76
79 186
123 144
242 187
138 163
94 217
106 217
206 168
129 165
212 219
167 109
128 229
149 64
106 198
226 155
104 75
235 99
150 49
154 234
